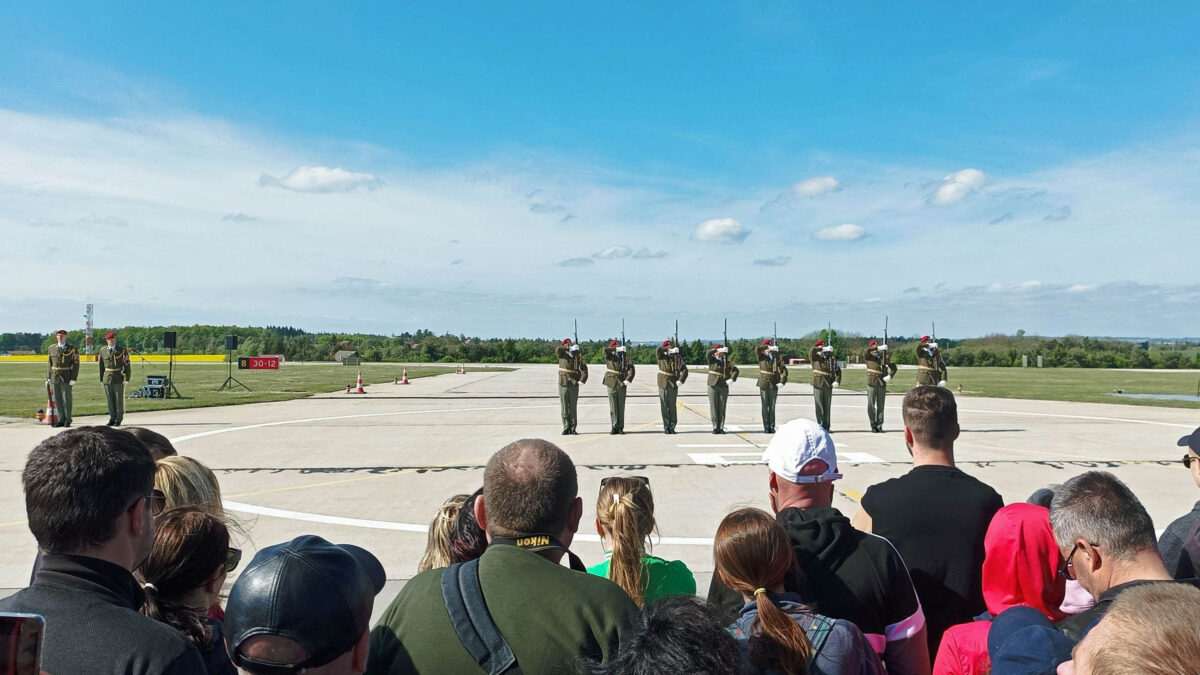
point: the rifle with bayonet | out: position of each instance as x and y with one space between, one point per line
579 362
943 373
681 369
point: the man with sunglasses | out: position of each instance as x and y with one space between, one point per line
1180 542
91 504
1107 542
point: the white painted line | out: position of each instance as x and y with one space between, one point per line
860 458
240 507
725 458
720 445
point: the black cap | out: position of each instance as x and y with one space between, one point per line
308 590
1192 441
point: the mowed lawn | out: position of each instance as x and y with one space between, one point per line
23 385
1088 385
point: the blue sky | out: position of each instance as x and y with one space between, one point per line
496 169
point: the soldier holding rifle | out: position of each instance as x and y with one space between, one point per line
572 372
721 371
618 373
671 373
827 376
772 374
931 368
880 371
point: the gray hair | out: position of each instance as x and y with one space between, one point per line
1100 509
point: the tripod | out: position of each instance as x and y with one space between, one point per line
231 380
170 375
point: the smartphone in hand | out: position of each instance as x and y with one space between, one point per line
21 643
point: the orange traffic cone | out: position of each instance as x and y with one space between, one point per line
51 412
404 376
359 388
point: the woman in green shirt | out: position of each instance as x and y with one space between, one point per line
625 520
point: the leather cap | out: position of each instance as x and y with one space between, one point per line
318 594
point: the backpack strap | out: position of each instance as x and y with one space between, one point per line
473 623
818 632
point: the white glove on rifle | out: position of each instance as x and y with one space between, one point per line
778 385
836 384
887 378
933 345
723 350
773 348
883 348
673 350
941 383
72 382
574 348
621 348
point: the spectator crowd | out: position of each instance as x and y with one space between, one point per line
933 574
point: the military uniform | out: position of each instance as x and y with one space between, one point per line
772 374
826 374
929 364
618 373
572 372
672 372
114 373
64 370
880 369
720 372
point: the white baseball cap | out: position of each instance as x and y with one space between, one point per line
799 444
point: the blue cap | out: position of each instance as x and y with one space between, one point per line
1022 641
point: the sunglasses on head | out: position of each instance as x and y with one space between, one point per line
233 556
608 479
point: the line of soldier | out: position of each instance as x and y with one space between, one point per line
619 372
63 371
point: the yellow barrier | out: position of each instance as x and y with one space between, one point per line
135 358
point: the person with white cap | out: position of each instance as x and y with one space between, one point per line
64 370
721 372
115 371
848 574
880 370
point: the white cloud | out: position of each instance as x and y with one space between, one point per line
321 179
1063 213
777 261
1019 287
644 253
954 187
814 186
721 231
238 218
1081 288
614 252
844 232
576 262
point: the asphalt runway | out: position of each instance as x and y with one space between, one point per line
373 469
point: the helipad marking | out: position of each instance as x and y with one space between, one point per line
240 507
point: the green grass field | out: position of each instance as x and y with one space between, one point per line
23 385
1052 384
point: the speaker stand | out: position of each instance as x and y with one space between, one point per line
171 389
231 381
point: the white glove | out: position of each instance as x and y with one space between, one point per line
836 384
933 345
773 348
887 378
47 382
574 348
826 349
941 383
778 385
72 382
673 350
722 350
883 348
621 348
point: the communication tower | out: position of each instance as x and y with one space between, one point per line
89 343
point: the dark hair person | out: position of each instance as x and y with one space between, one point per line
183 576
775 630
625 521
467 539
679 634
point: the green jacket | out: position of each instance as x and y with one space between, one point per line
114 365
572 371
618 369
825 369
771 368
549 614
877 367
928 365
672 371
720 371
64 363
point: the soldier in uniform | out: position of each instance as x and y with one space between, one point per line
572 372
114 373
827 376
618 373
721 372
64 370
672 371
772 374
880 371
929 363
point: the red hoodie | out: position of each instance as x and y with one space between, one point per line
1020 567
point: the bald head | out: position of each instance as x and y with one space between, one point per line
528 488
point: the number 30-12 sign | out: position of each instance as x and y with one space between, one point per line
258 363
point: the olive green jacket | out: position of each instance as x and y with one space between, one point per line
64 363
618 369
825 369
572 371
672 371
877 366
771 368
928 365
720 371
549 614
114 365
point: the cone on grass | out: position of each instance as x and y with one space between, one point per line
404 376
358 389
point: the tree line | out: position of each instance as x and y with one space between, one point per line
424 346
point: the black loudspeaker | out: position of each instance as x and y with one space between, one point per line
169 339
230 342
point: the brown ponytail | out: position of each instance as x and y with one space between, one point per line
751 554
625 509
190 543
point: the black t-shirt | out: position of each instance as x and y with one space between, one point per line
937 516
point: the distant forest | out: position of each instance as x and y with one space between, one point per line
423 346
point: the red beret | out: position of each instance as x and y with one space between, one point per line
612 343
924 338
767 341
818 343
110 335
60 332
872 343
566 341
718 345
666 343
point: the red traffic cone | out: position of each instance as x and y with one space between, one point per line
359 388
462 369
404 376
51 412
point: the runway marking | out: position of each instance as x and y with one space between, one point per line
240 507
860 458
729 458
718 445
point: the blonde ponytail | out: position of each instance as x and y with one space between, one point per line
625 509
